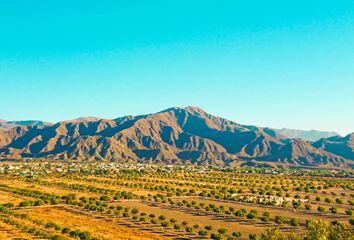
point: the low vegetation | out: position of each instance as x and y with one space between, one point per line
157 203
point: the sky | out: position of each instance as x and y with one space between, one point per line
266 63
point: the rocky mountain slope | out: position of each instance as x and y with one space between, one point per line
310 135
175 135
341 146
11 124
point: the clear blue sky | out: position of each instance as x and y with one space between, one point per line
267 63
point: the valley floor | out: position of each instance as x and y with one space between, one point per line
163 205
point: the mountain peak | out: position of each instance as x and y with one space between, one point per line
195 110
87 119
190 109
350 136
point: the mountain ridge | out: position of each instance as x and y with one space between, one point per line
309 135
174 135
4 124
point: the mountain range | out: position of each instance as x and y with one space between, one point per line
309 135
11 124
175 135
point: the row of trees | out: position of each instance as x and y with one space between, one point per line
217 191
98 205
53 232
35 231
316 230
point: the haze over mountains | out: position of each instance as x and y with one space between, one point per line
11 124
175 135
310 135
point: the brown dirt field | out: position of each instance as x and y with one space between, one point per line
10 232
96 226
45 189
103 185
287 213
134 190
244 226
109 227
30 223
6 197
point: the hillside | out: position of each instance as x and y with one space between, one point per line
310 135
11 124
342 146
175 135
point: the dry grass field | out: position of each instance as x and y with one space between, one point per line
103 228
168 205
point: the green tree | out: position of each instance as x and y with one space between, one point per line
321 209
334 210
317 230
203 233
351 221
222 231
279 219
265 217
272 234
294 222
216 236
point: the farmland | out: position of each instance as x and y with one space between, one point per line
40 200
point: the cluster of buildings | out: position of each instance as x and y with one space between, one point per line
274 200
32 168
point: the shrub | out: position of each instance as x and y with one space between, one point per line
265 217
321 209
135 211
272 234
208 227
215 236
296 205
165 224
252 236
84 236
239 213
222 231
65 230
334 210
189 229
9 205
104 198
279 219
177 226
294 222
237 234
24 204
349 212
351 221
